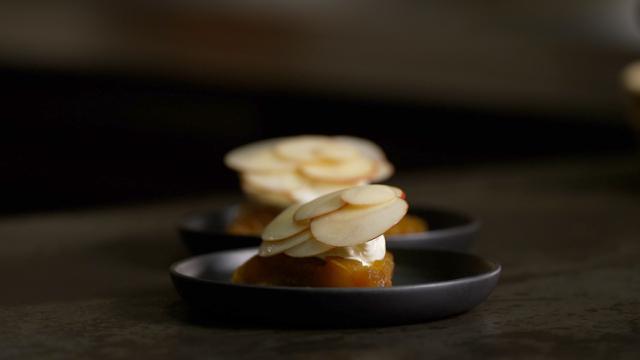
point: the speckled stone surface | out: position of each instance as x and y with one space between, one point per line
94 283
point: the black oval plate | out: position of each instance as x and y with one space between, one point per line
428 285
448 230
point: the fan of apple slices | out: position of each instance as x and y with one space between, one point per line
343 218
294 169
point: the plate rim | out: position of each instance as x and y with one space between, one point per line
473 225
496 272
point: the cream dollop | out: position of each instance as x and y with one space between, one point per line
366 254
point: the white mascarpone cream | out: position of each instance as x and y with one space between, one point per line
289 170
347 223
366 254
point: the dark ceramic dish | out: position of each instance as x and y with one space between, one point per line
428 285
448 230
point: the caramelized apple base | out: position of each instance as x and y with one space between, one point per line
252 218
283 270
408 225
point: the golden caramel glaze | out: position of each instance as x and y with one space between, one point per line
408 225
283 270
252 219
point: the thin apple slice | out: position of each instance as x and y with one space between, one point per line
308 248
274 181
337 151
314 190
270 248
257 156
283 226
345 171
368 195
320 206
300 148
384 170
399 193
354 225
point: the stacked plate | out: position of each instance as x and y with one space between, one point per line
434 277
448 230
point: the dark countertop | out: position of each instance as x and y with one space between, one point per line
94 283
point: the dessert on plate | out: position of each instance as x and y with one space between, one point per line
280 172
336 240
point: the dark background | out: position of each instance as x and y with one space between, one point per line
115 115
95 127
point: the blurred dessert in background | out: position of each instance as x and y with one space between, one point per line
284 171
277 173
336 240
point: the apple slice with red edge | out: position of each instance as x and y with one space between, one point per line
399 192
354 225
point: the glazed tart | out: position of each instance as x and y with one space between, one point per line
336 240
284 171
277 173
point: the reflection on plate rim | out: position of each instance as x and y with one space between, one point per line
490 274
472 225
